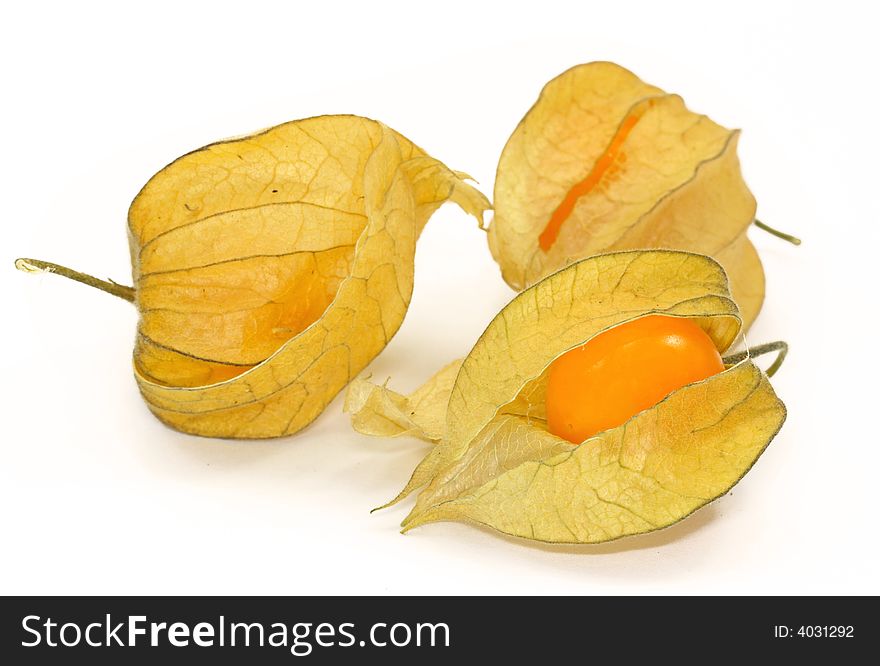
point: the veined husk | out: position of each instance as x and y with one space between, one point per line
270 270
496 464
651 173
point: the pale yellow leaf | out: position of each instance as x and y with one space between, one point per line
659 467
499 466
504 372
378 411
269 270
605 162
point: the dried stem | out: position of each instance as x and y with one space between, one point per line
794 240
39 266
760 350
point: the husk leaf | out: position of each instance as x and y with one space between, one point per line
620 164
269 270
496 464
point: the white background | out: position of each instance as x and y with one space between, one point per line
96 496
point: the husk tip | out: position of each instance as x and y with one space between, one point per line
414 520
388 504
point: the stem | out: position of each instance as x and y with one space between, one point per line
794 240
760 350
38 266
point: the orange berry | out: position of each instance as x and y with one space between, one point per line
623 371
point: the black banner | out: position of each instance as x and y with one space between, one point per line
189 630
